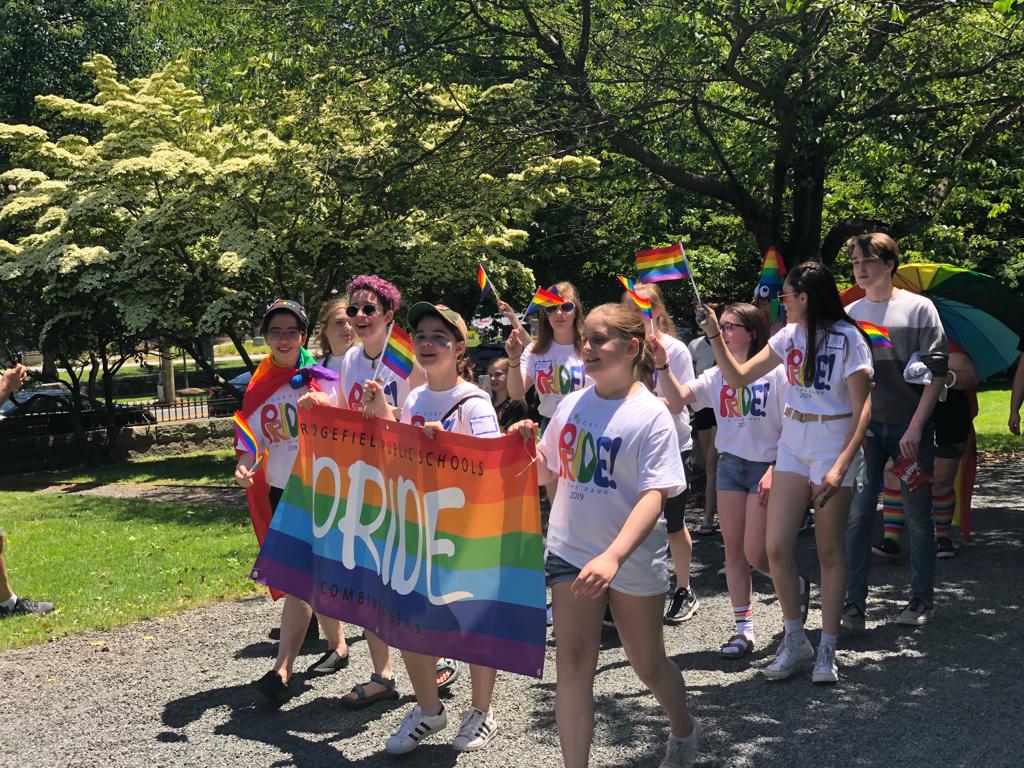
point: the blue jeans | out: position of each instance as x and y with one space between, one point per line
881 443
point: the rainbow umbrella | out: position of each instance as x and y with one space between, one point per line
978 311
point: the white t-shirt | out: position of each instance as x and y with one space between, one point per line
702 353
554 374
357 368
333 362
607 453
475 417
276 427
841 353
681 364
750 420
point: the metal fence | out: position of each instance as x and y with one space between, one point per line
191 407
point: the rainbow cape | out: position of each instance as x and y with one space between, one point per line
640 301
398 355
436 556
482 280
878 334
656 264
544 298
267 379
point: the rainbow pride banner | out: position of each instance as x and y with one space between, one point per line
434 545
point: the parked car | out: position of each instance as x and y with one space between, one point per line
47 410
222 401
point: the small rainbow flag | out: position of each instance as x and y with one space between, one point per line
543 298
398 355
878 334
640 301
244 435
668 263
486 286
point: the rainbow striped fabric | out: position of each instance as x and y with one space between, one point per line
773 274
244 437
544 298
434 544
878 334
482 280
656 264
398 355
640 301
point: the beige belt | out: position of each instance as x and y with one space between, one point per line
798 416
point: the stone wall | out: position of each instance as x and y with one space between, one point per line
25 454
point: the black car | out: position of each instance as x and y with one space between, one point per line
48 411
222 401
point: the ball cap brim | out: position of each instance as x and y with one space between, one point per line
448 316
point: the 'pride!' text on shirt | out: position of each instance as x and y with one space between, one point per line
607 454
749 417
554 373
841 352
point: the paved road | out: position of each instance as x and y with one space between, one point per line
171 692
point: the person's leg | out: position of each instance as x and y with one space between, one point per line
380 657
640 630
860 529
706 440
334 631
943 497
732 506
892 508
830 524
482 682
754 535
920 530
295 616
428 716
786 505
577 641
681 546
422 671
6 593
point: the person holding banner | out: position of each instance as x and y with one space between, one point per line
269 410
336 335
371 309
449 401
676 369
614 451
828 368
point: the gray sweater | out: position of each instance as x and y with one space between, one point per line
913 325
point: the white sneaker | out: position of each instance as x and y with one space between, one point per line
415 727
795 650
917 613
476 730
682 753
825 668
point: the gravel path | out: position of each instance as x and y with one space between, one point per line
171 692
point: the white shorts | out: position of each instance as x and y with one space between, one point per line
810 448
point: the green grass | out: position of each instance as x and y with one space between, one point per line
200 468
990 423
228 350
107 562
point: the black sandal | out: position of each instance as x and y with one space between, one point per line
362 700
741 643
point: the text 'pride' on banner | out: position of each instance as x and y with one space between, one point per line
432 544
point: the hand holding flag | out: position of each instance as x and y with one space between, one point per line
246 439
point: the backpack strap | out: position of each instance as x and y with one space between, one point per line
461 402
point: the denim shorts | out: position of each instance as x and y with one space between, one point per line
738 474
558 570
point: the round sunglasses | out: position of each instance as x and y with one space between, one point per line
367 309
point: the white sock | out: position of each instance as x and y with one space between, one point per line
10 603
793 626
830 640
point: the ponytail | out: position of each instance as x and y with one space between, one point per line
464 366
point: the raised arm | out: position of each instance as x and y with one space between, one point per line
735 373
515 346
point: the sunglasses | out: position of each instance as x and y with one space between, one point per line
730 327
566 307
367 309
